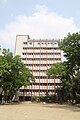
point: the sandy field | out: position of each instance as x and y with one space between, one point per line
39 111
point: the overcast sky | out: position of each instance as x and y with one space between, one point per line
37 18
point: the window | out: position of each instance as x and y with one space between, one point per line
23 58
30 43
24 42
24 48
55 43
24 53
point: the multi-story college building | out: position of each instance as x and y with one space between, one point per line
38 55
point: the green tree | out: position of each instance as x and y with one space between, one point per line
71 47
14 74
69 71
59 70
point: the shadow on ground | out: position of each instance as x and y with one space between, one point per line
63 106
55 106
12 103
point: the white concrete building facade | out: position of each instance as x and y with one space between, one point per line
38 55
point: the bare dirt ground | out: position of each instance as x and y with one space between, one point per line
39 111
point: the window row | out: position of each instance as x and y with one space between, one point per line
46 84
38 48
41 53
46 59
38 64
41 43
45 77
37 90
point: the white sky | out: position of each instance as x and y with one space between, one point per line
41 24
38 18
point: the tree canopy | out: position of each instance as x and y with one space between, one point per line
57 69
70 69
71 47
14 74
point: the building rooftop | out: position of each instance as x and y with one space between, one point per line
43 40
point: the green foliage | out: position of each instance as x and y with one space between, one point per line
71 47
57 69
14 73
69 71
